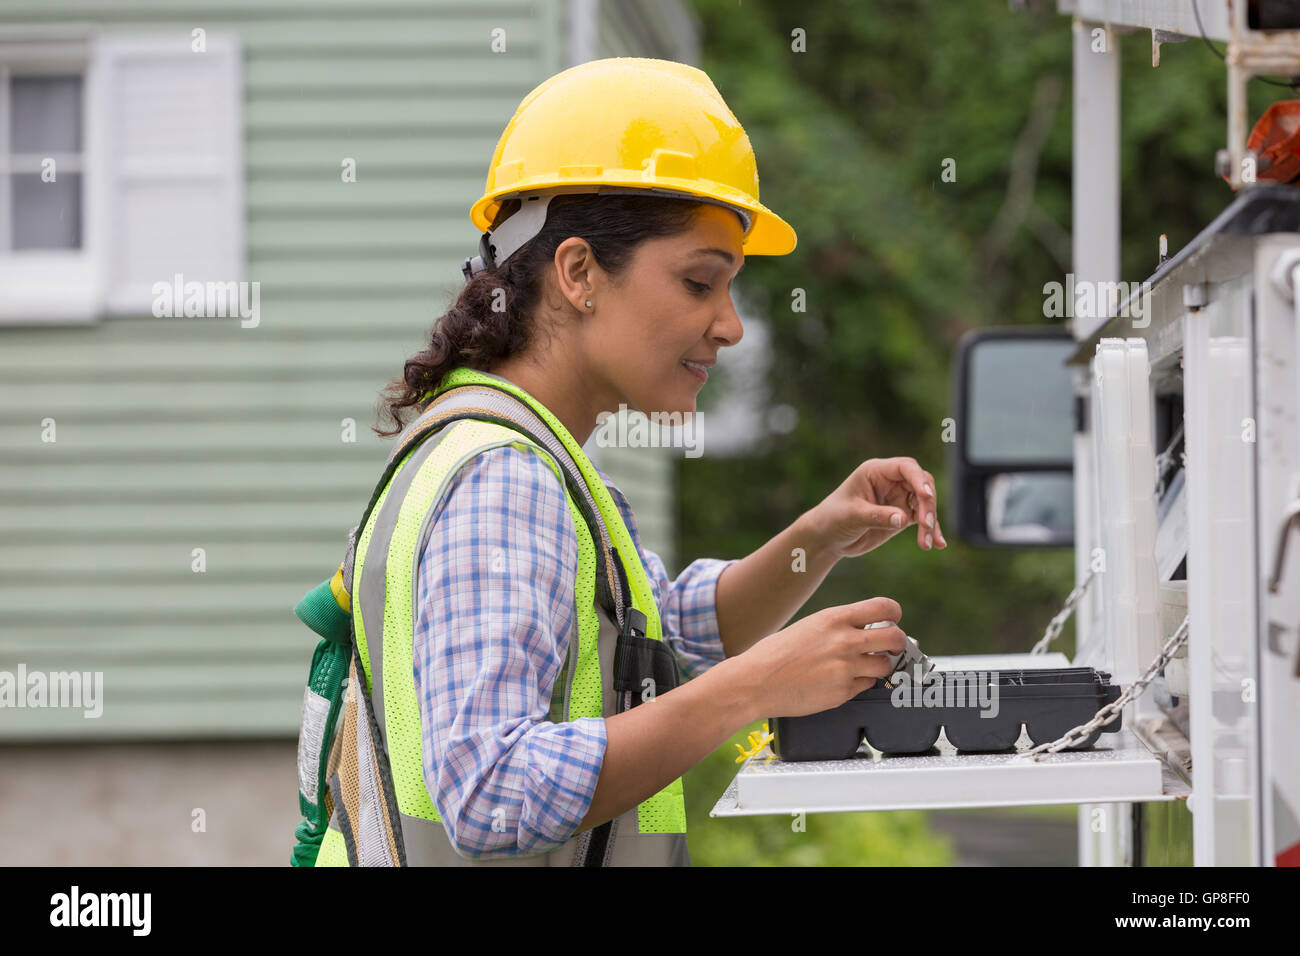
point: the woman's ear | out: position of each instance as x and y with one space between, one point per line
574 264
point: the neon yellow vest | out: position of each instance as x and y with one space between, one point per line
387 552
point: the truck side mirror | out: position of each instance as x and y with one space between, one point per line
1011 462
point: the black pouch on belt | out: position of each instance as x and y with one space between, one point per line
643 666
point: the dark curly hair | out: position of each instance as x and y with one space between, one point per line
476 335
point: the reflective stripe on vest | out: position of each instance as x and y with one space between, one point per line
383 595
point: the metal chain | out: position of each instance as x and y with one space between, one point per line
1055 625
1111 711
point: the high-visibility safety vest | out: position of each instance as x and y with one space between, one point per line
616 655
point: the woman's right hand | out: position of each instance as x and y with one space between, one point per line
822 660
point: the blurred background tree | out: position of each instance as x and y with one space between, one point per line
895 264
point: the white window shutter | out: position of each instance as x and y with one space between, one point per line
174 170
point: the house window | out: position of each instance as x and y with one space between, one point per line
49 268
41 152
121 166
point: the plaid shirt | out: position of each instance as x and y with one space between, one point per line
495 604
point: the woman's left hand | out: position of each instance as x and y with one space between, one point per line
881 498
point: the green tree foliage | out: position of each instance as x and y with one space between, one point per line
895 263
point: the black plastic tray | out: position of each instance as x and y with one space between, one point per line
1045 702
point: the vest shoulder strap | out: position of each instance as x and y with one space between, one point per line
483 403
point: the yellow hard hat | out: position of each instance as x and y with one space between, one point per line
632 124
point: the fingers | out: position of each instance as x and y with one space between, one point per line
862 683
926 508
878 641
871 611
922 502
884 516
875 665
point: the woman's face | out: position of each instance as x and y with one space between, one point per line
672 306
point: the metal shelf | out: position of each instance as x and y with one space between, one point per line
1120 768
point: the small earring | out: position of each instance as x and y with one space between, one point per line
589 303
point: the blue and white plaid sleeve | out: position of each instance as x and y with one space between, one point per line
495 604
688 606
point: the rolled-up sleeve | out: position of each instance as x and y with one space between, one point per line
495 605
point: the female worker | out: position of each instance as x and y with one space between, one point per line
621 201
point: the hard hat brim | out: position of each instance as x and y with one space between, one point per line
768 235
